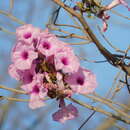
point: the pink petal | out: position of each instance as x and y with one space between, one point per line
13 71
105 26
27 33
83 81
35 101
66 61
23 57
65 113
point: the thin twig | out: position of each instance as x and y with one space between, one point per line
11 5
6 31
67 25
69 35
86 120
112 102
91 61
106 39
12 17
80 43
121 15
106 53
127 84
13 90
18 99
109 105
100 110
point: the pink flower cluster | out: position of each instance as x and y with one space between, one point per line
47 66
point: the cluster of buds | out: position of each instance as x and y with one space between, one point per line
48 67
94 8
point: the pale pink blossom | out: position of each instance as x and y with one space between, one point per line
35 101
37 96
65 113
36 79
26 76
46 34
27 34
13 71
36 91
23 57
66 61
48 46
83 81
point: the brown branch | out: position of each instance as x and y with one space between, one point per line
12 17
13 90
112 60
69 35
105 38
109 105
121 15
67 25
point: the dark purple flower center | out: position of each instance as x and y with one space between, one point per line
65 61
30 78
80 80
27 35
46 45
36 89
25 55
27 78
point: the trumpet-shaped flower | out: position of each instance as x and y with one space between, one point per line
36 90
66 61
83 81
65 113
23 57
27 34
48 46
